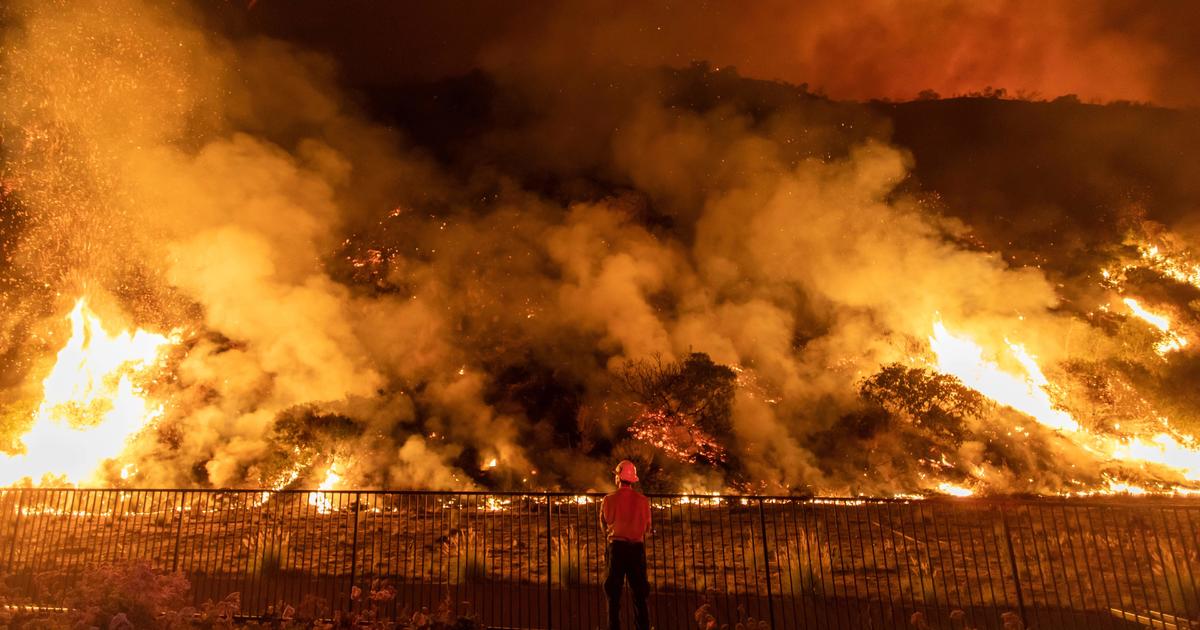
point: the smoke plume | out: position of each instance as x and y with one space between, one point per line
458 316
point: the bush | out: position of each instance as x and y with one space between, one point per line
467 557
806 567
565 566
268 551
110 595
1175 571
924 581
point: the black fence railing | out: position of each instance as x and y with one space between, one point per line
536 560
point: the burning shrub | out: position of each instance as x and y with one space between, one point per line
685 406
937 403
302 436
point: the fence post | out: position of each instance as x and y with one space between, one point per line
1012 562
762 521
179 531
549 567
354 549
16 527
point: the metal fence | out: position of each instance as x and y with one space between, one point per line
536 560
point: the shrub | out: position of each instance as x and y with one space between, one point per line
565 566
467 557
806 567
706 619
134 591
923 582
1176 572
268 551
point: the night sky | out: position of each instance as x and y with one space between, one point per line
1105 50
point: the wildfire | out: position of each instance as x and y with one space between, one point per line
1177 268
961 357
92 403
953 490
497 504
1180 453
1027 392
323 500
1171 340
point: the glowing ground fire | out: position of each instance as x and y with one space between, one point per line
93 403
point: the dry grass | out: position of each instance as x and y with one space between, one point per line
466 557
806 566
1178 572
565 566
924 581
268 550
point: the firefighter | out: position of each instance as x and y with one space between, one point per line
625 517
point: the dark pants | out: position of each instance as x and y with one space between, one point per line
627 560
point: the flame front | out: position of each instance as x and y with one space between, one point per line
92 403
1171 340
963 358
1028 393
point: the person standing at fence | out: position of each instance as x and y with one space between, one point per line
625 517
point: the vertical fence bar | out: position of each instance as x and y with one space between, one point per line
12 547
762 521
549 558
178 532
1012 563
353 549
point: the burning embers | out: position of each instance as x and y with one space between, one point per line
93 403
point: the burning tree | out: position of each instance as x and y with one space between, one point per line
684 406
303 436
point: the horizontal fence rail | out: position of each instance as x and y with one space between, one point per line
536 560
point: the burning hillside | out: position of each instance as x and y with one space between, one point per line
219 270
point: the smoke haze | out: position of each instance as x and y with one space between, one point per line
353 294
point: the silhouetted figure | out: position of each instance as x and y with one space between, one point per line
625 516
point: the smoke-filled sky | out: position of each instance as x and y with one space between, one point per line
434 280
1097 49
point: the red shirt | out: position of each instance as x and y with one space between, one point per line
625 515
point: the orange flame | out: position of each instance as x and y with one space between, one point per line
1171 340
1027 392
961 357
92 404
323 500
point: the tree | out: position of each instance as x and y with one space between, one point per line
684 407
933 401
